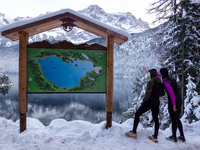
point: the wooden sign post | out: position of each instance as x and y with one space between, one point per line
109 82
22 96
64 18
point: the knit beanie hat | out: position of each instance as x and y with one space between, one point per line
153 73
164 72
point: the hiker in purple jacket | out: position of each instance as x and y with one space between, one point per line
174 104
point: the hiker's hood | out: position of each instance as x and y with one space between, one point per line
153 73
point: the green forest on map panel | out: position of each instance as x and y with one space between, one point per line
66 71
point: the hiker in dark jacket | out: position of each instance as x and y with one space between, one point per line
174 104
150 102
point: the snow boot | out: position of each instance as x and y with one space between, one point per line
181 138
171 138
153 138
131 134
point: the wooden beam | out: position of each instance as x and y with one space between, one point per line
55 21
34 24
108 120
22 97
33 30
96 31
22 122
109 92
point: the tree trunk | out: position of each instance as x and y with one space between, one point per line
183 78
183 68
175 10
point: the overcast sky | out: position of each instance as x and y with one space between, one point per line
33 8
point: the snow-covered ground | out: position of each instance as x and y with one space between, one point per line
82 135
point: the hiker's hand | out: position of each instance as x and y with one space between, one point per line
146 70
174 108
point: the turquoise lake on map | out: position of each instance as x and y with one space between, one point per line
65 74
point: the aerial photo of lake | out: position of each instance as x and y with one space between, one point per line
68 73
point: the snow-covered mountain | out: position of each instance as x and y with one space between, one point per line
124 21
21 18
4 20
128 57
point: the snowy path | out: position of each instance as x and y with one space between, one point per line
82 135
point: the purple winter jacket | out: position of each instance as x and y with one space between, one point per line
169 89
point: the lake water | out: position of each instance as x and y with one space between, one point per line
88 107
67 72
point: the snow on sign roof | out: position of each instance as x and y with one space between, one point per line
55 19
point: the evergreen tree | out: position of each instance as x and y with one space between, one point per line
180 50
191 13
192 102
164 10
184 40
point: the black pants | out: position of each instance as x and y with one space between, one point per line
152 104
176 123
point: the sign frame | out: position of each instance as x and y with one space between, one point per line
39 81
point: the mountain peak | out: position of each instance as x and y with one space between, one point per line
95 6
21 18
125 21
93 10
4 19
142 23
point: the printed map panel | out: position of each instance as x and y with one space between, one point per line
66 71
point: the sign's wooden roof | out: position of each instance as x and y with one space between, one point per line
69 17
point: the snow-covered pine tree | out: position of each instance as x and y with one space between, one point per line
192 102
191 13
164 9
164 117
166 13
138 89
184 39
182 43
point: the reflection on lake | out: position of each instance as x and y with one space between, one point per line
88 107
